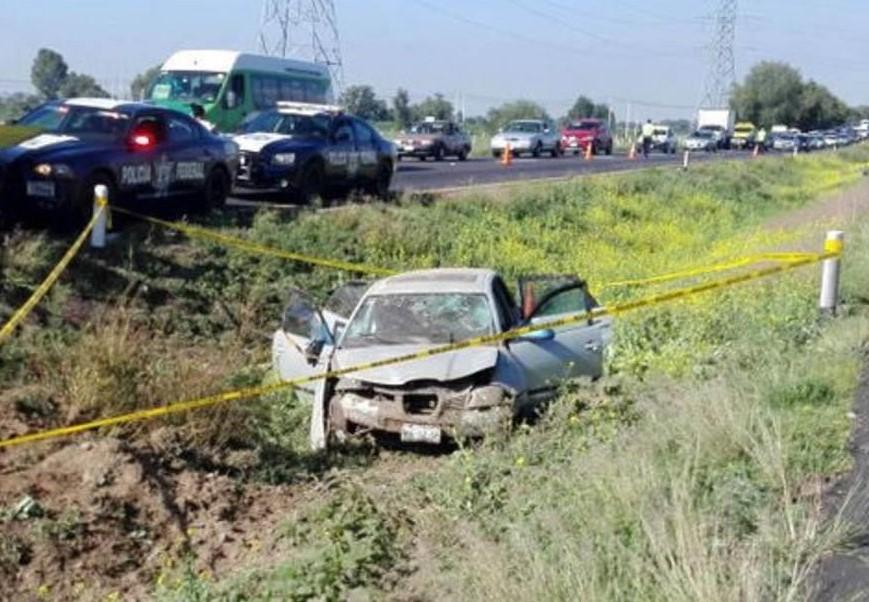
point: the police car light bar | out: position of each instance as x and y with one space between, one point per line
304 108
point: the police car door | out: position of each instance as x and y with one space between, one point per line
137 165
342 161
366 147
187 151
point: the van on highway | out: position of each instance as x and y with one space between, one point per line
230 85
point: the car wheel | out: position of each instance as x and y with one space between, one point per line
439 153
422 157
80 211
311 184
556 151
537 150
380 186
609 148
214 192
463 154
496 154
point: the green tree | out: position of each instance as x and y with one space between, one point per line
820 109
48 72
518 109
769 95
15 105
362 102
433 106
401 108
140 84
79 84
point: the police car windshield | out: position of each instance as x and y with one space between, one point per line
187 86
78 121
290 124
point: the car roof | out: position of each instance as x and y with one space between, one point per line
437 280
110 104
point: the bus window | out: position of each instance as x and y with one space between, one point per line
236 86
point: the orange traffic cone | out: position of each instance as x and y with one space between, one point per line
632 153
588 152
507 158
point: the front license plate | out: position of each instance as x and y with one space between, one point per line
42 189
420 433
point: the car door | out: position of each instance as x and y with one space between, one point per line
190 155
138 163
366 148
342 160
550 356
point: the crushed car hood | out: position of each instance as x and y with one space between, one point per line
443 367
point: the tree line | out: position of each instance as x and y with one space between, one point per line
772 93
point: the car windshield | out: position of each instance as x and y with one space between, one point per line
187 86
744 129
583 125
661 132
423 318
523 126
703 134
289 124
712 128
77 121
434 127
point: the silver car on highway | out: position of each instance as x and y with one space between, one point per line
461 393
527 136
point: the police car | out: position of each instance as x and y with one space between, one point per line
308 149
146 155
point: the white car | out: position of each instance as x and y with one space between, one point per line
460 393
702 140
527 136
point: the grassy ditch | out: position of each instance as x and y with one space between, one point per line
692 472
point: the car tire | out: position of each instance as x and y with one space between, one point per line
463 155
422 157
311 184
609 148
537 150
380 186
439 153
214 192
556 151
496 154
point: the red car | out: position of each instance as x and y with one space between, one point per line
578 135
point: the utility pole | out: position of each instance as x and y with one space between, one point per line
303 29
722 67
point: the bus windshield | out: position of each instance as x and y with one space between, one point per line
187 86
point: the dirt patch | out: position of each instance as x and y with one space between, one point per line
835 211
102 516
844 575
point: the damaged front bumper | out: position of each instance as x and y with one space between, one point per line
426 415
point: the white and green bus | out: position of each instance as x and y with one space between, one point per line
230 85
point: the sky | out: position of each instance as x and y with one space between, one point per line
646 56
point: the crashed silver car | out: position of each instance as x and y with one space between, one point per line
458 394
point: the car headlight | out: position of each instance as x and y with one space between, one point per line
58 169
284 159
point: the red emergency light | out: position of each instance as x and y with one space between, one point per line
142 140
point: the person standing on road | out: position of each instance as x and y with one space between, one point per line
760 141
648 131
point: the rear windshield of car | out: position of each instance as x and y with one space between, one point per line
522 126
584 125
428 128
419 318
78 121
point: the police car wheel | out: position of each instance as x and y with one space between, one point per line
463 154
216 190
380 186
311 184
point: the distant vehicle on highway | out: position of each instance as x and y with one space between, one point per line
704 140
744 135
230 85
146 156
464 393
527 136
719 121
663 140
434 138
578 135
784 141
308 150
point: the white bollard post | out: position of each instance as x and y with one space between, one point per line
796 149
834 243
685 159
101 206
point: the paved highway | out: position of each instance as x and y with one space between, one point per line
414 175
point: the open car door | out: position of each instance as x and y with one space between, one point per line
302 346
550 356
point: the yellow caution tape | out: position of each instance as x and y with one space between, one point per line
786 257
833 245
247 393
253 247
49 281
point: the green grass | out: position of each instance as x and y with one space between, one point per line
690 473
11 135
